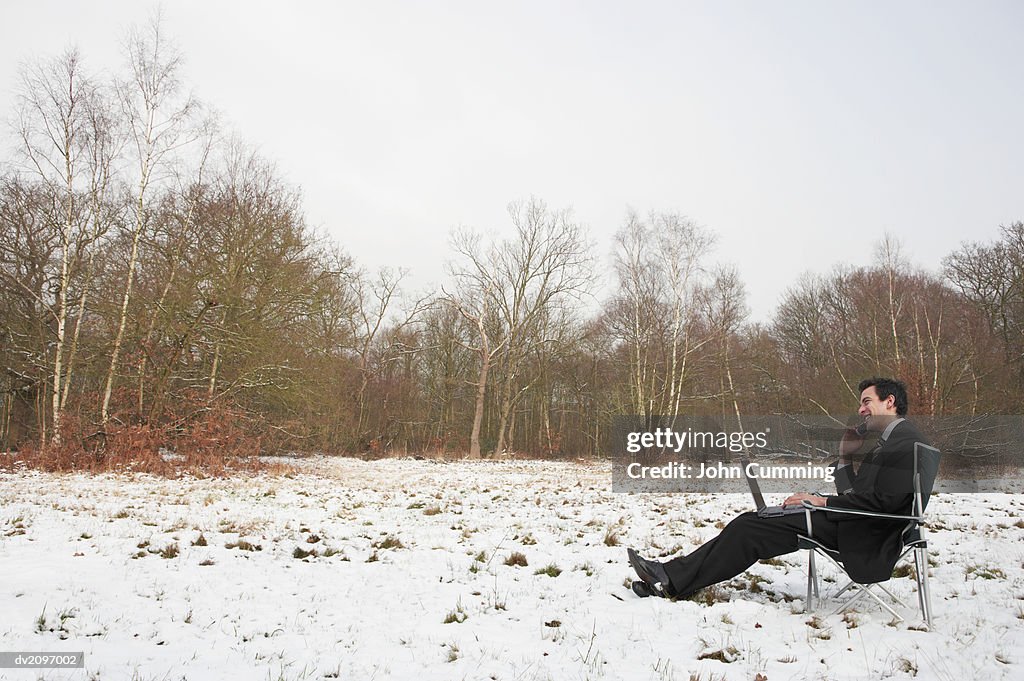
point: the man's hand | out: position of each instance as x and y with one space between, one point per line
851 442
798 498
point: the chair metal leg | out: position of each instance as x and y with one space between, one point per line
865 591
812 578
923 589
849 602
849 585
891 595
920 585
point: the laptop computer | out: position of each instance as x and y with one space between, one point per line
763 510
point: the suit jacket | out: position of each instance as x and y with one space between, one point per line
884 483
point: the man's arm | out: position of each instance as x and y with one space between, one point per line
889 489
844 475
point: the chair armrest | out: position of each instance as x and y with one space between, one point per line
870 514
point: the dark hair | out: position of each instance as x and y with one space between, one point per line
885 387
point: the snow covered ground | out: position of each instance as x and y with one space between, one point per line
410 581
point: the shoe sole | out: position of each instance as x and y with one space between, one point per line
643 589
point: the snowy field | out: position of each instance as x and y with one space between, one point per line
407 578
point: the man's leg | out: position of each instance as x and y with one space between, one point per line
742 543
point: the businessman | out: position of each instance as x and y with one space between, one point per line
868 547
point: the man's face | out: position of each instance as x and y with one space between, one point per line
875 410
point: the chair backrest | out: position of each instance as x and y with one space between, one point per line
926 468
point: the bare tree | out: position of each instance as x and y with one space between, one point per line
158 119
519 281
66 143
182 234
27 248
655 314
377 342
636 307
104 145
472 300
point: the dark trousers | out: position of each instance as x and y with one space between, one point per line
743 542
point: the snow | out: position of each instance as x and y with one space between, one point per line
75 578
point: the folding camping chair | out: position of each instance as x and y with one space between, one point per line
926 467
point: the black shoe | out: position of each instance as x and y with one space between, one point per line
652 573
643 589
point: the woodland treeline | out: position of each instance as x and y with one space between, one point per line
161 289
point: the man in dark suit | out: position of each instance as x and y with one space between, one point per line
868 547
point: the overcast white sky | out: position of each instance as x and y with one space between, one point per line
799 132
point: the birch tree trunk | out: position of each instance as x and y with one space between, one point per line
52 127
159 124
481 391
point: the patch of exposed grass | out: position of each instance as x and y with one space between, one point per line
815 622
200 540
907 666
17 524
433 510
516 559
821 630
301 553
551 570
388 542
456 616
984 572
905 570
611 536
755 583
726 655
170 551
709 596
